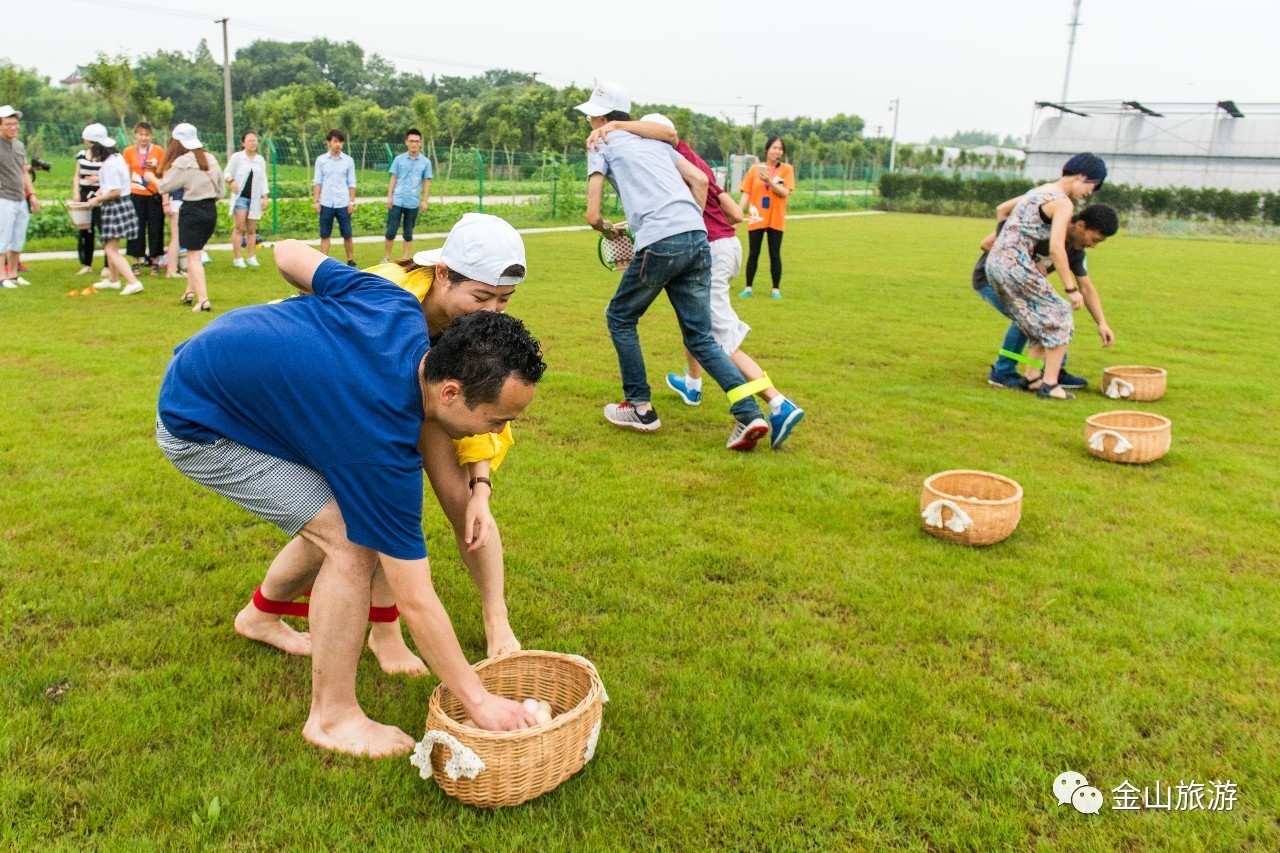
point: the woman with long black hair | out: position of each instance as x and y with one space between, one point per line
764 192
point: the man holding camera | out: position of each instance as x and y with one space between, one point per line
15 192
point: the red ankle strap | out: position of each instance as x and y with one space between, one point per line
280 608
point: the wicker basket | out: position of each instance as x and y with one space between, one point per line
494 769
80 212
970 507
1134 382
1127 436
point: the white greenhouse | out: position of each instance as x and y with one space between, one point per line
1220 146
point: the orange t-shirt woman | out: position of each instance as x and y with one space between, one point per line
764 192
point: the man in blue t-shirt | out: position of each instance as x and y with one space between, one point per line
672 254
407 194
309 414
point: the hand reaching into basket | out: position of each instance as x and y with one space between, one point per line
500 715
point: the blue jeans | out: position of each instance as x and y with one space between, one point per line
328 214
680 265
1014 340
398 214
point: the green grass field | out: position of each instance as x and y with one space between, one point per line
793 663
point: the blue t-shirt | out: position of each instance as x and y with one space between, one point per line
643 171
329 381
410 172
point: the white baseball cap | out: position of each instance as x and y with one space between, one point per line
481 247
186 134
98 133
659 118
7 111
606 97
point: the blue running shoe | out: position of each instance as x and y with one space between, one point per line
1006 380
783 422
1068 380
746 294
777 294
690 396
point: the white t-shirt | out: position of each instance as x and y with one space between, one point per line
114 175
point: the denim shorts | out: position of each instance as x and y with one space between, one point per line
328 214
243 203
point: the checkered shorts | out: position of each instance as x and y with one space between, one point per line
119 220
284 493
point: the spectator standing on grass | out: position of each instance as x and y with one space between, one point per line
1026 295
83 185
15 191
196 172
720 213
119 218
765 190
143 156
408 193
173 212
247 176
335 194
663 195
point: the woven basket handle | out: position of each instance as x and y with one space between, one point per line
1099 439
1119 388
959 520
463 763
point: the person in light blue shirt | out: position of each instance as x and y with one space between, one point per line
310 414
335 194
407 193
671 254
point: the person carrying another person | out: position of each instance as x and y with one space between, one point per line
335 194
720 213
672 255
1088 229
246 175
407 193
310 414
1044 213
142 157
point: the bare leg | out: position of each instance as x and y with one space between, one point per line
171 267
195 278
408 251
339 610
750 370
324 246
251 235
386 639
349 244
387 247
237 232
119 266
291 573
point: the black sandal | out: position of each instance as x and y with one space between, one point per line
187 298
1045 391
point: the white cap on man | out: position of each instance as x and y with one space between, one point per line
186 134
481 247
607 97
659 118
7 111
98 133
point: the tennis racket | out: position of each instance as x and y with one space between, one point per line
617 252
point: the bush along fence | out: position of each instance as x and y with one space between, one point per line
955 196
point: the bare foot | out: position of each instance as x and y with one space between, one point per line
502 640
386 641
358 735
271 629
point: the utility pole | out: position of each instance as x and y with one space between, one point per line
226 86
1071 48
893 144
755 116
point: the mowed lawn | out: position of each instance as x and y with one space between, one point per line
792 662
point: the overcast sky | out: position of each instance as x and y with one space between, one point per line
955 65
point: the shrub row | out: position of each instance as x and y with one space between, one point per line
936 193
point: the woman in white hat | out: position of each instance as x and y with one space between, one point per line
118 218
197 174
477 269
